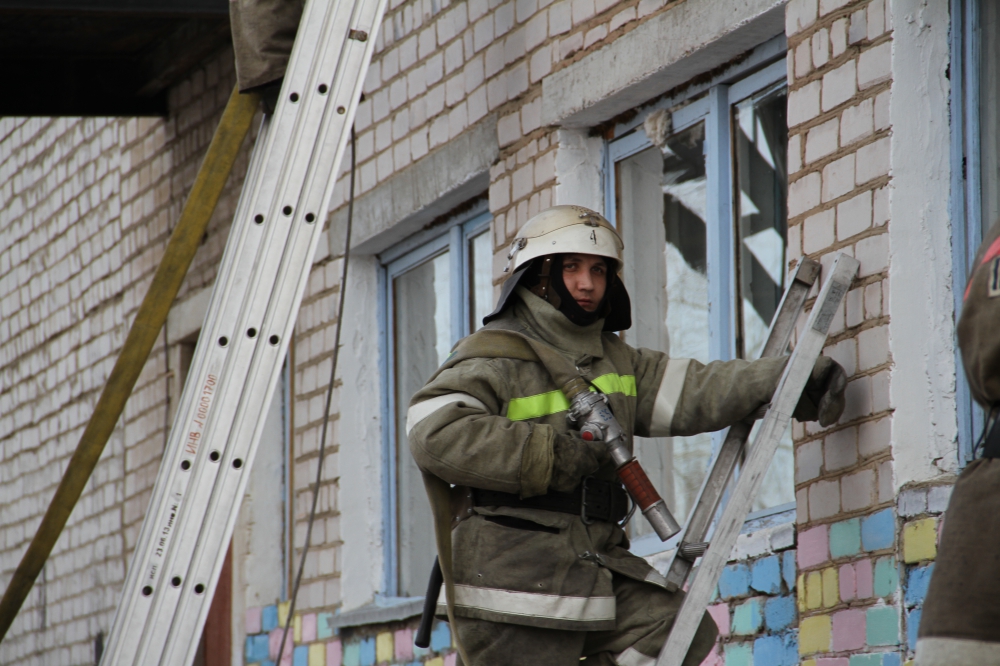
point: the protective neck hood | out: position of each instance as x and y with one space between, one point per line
615 307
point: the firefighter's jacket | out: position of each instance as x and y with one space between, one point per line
490 422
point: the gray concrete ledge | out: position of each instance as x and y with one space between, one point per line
423 191
379 613
662 53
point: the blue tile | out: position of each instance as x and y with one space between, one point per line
366 653
912 626
257 648
779 612
269 618
765 575
878 530
792 648
788 570
300 657
769 650
866 660
735 581
267 662
748 617
886 579
441 637
845 538
916 584
891 659
738 654
352 654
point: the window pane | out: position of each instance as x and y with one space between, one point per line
760 145
421 306
989 112
661 213
480 279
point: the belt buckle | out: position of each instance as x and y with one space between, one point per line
583 501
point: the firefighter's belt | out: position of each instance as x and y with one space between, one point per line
600 500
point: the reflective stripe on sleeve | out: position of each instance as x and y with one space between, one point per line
942 651
420 411
529 604
553 402
667 397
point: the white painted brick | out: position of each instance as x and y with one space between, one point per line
794 241
858 490
458 120
820 47
602 6
818 232
808 461
838 178
882 110
477 104
523 182
803 194
434 69
912 502
876 18
426 42
531 115
508 129
536 31
838 37
799 14
621 18
873 253
857 122
595 35
494 59
824 499
803 103
482 32
802 506
875 65
514 46
453 57
454 90
504 18
859 26
854 215
822 140
496 90
874 437
439 131
794 153
938 498
873 347
517 80
525 9
873 300
582 10
803 58
873 160
541 63
858 399
560 17
828 6
839 85
840 449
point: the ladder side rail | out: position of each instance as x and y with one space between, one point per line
807 349
288 170
800 282
133 604
284 304
224 308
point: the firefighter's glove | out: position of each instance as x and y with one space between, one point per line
575 458
823 397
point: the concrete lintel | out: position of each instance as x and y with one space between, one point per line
423 191
187 316
664 52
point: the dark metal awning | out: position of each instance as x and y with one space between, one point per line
102 57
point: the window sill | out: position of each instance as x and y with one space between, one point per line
381 611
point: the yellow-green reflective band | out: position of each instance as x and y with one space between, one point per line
543 404
615 383
553 402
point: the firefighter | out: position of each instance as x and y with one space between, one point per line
960 622
263 33
540 569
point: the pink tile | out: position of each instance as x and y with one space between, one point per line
847 584
404 644
835 661
714 658
274 643
309 628
451 659
720 613
814 547
863 576
848 630
252 620
334 653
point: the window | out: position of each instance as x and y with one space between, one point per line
704 222
435 292
975 199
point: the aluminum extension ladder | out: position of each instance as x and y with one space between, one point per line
800 364
250 319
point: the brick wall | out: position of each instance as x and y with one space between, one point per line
86 207
839 71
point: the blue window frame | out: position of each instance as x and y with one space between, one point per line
435 288
718 183
975 157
